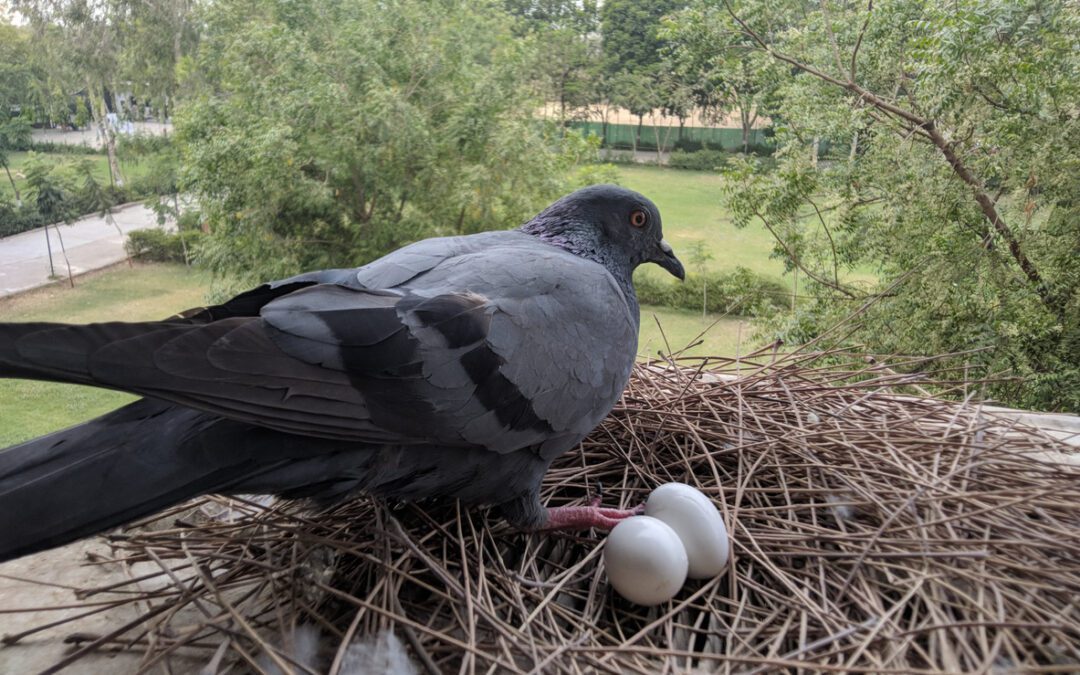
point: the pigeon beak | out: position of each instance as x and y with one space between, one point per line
665 257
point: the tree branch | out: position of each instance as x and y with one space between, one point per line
836 286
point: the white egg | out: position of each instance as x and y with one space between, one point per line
695 519
645 560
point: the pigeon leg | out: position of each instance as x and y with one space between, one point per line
584 517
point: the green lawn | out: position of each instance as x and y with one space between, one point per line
17 160
671 330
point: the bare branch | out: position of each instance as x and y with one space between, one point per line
832 36
858 42
828 233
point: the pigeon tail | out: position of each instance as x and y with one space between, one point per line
145 457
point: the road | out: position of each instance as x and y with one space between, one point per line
91 244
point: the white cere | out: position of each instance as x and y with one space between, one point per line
645 560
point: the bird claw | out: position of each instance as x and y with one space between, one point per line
584 517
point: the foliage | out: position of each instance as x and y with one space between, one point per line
631 33
17 77
700 160
48 147
958 187
739 292
566 55
160 162
333 133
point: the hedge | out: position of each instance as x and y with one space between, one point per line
157 245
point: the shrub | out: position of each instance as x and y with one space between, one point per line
15 219
701 160
740 292
158 245
60 148
141 145
690 145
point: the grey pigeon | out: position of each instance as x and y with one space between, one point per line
454 367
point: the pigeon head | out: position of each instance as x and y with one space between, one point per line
611 225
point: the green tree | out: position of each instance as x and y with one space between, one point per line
567 52
93 196
53 202
16 74
631 33
326 133
956 185
79 50
157 36
723 68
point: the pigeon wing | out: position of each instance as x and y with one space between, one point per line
467 351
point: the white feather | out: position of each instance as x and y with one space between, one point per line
379 653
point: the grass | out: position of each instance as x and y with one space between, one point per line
29 409
670 330
100 162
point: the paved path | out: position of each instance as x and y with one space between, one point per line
91 243
90 136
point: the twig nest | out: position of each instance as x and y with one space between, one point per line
695 519
645 560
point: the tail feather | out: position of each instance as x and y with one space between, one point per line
60 352
129 463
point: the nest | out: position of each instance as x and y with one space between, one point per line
874 529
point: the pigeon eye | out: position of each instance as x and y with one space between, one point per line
638 218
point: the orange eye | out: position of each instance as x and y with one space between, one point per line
638 218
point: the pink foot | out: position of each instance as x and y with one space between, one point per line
584 517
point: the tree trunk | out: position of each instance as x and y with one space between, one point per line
48 245
854 146
814 156
744 118
63 250
98 108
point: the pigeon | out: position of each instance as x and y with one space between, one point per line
455 367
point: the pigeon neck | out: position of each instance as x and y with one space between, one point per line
584 243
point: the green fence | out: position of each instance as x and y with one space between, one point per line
622 136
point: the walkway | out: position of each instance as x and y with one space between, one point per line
91 243
89 136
